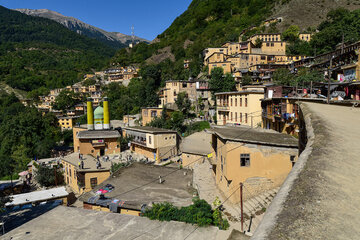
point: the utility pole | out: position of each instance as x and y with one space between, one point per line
241 207
329 77
342 43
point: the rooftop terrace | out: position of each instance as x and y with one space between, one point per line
74 223
139 183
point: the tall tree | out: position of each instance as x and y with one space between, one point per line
183 103
220 82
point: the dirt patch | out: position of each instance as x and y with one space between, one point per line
161 55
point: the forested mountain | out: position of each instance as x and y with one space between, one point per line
205 23
37 52
209 23
112 39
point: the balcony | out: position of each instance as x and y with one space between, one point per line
223 108
139 142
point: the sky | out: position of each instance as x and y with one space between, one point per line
149 17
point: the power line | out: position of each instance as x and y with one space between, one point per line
191 232
200 158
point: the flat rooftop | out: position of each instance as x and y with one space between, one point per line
37 196
150 129
320 199
94 134
90 162
139 183
75 223
198 143
256 136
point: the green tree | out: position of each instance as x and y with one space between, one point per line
220 82
258 43
89 82
48 176
291 34
183 103
246 80
20 158
67 100
283 76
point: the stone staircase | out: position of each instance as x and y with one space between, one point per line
255 207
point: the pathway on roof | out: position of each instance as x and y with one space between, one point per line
324 202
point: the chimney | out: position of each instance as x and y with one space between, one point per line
106 113
90 115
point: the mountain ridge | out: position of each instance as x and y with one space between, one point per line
114 39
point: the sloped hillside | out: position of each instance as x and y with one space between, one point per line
37 52
308 13
204 24
209 23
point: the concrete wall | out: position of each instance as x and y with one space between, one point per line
146 152
76 130
70 176
147 115
269 166
101 177
189 159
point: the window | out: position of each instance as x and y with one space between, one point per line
292 159
236 117
231 116
166 138
149 139
267 44
153 114
244 160
246 117
231 102
240 102
235 102
93 182
245 102
240 117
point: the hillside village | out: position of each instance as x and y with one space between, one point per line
249 148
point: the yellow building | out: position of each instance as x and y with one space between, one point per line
66 123
240 108
96 142
156 144
168 94
305 37
150 113
259 159
210 51
84 179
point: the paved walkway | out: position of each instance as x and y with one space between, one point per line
324 200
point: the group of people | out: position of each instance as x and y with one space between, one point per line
81 164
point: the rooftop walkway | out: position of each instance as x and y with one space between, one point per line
320 199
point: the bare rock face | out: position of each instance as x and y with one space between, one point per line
114 39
